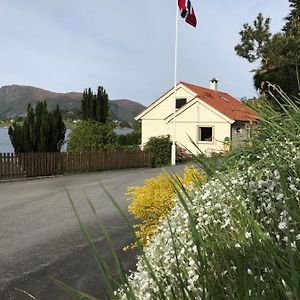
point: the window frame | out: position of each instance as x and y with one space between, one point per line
182 104
199 134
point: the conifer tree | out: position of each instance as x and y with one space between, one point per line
95 107
278 53
293 17
41 131
84 101
102 98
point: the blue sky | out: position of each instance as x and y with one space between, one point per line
127 46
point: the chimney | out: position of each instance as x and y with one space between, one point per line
214 84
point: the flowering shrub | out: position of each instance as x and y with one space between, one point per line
237 236
154 200
192 177
150 202
182 154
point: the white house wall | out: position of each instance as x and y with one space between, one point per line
198 115
153 128
166 107
187 122
187 131
153 122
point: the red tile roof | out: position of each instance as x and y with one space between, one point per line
224 103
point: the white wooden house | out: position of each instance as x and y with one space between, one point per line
205 116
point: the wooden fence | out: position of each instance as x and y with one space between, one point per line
19 165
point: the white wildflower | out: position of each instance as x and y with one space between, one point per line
248 235
282 225
279 197
226 223
293 246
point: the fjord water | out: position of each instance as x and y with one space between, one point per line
5 143
6 146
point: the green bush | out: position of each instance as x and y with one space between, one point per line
131 140
91 135
160 149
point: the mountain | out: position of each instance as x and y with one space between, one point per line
125 110
15 98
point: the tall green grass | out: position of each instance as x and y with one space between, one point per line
236 237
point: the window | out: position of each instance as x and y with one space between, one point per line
238 130
205 134
180 102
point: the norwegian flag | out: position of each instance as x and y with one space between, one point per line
187 12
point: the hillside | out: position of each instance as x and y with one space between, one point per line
15 98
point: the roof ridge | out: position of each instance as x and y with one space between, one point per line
201 87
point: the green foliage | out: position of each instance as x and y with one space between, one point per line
253 39
281 63
137 126
96 131
95 107
293 16
160 149
130 140
92 135
278 53
41 130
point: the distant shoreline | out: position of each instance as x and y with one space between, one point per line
69 125
5 125
6 146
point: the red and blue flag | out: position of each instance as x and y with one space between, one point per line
187 12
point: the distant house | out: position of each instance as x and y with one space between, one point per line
206 117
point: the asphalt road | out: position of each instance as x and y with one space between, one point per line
40 236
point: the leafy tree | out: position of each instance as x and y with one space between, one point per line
160 149
137 126
92 135
278 53
130 140
41 131
95 107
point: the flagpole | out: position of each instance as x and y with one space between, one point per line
173 151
